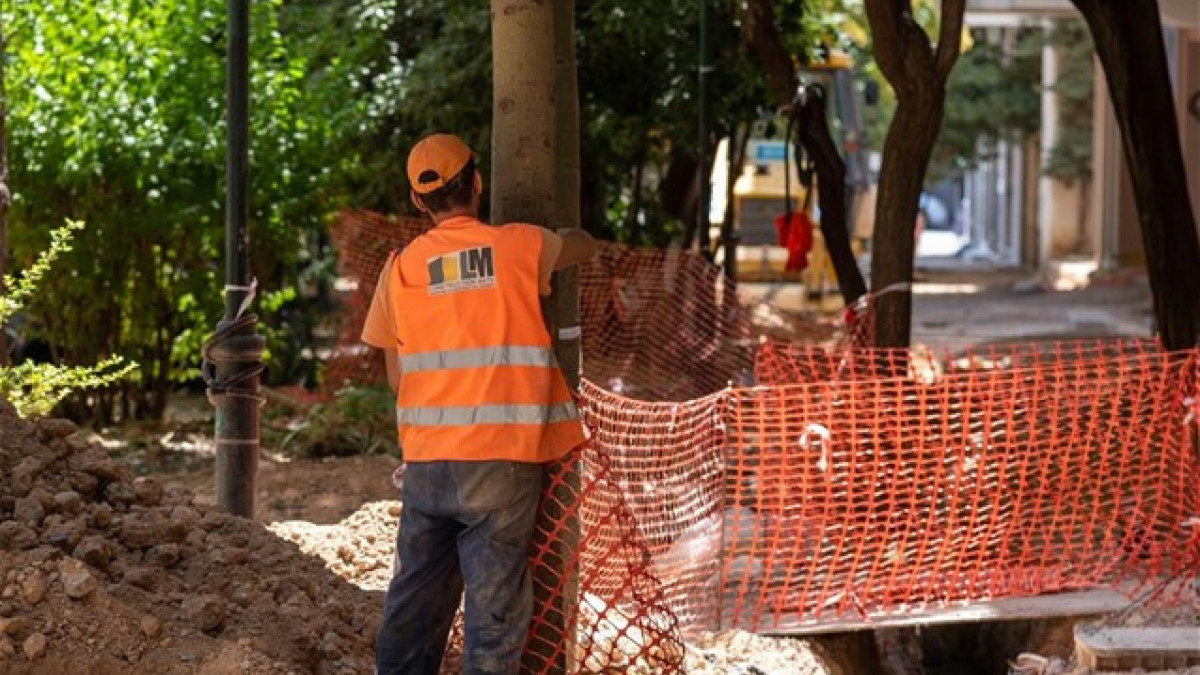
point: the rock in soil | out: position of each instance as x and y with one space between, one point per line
103 573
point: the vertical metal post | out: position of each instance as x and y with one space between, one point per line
702 98
236 349
237 137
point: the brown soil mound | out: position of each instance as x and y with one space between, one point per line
102 573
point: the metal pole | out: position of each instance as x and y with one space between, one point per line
237 94
236 349
705 171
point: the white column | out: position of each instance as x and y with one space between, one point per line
1106 174
1011 247
1049 138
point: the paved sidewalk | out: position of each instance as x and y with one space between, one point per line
953 310
961 311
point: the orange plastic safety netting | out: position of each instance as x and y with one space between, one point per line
363 240
658 325
1002 472
661 325
849 484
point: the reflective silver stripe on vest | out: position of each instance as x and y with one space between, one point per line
504 355
458 416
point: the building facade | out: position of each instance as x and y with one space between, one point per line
1022 217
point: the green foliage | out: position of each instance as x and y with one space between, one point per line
1070 158
117 115
425 66
21 289
991 96
389 73
637 78
35 388
359 421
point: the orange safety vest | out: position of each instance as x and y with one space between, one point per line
480 380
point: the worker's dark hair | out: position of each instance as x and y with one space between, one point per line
458 191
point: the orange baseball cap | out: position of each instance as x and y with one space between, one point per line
435 160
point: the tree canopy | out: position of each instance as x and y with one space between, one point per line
116 118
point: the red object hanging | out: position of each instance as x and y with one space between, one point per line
795 232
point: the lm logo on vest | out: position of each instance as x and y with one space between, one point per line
462 270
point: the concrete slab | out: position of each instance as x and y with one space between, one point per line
1148 648
1081 603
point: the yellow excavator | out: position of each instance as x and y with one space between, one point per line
759 189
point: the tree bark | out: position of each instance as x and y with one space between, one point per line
523 111
567 341
567 188
1129 41
762 36
831 195
918 74
535 170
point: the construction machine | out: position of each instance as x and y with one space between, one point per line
770 171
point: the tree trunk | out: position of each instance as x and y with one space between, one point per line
567 187
564 302
906 154
918 73
523 111
1129 41
527 70
162 375
762 36
831 195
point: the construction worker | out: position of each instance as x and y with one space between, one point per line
481 407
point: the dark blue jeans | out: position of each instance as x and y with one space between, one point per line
463 522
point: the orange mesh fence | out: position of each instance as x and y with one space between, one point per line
850 484
659 325
874 497
622 619
363 240
779 362
668 457
1069 466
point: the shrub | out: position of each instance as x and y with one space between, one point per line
35 388
360 420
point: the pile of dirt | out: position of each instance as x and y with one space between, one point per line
103 573
361 549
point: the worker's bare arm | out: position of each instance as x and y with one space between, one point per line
577 247
392 358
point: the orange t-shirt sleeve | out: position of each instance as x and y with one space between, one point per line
379 330
552 245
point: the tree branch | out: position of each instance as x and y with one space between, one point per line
760 33
887 24
950 40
